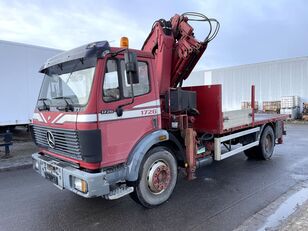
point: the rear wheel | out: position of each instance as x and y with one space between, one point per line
157 178
252 153
266 146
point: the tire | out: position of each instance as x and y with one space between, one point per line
252 153
265 149
157 178
267 143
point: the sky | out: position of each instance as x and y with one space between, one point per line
251 31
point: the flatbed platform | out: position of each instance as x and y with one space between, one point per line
214 121
259 120
265 118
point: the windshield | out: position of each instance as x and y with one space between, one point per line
67 84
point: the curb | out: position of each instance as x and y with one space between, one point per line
15 167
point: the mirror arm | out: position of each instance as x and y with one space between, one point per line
119 109
132 87
131 66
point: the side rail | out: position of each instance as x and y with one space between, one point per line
218 142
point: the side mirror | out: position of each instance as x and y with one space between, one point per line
131 66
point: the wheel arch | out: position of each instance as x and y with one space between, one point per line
176 147
136 155
148 142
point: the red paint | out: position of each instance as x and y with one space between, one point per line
82 164
210 107
175 57
120 136
253 105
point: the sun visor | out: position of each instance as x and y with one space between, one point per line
95 49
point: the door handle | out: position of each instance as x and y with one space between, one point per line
155 122
119 111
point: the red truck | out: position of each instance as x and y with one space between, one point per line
115 121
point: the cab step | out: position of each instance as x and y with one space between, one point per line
119 192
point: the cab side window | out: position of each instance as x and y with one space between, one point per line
140 88
116 84
111 88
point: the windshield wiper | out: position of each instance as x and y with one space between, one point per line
45 106
68 107
74 68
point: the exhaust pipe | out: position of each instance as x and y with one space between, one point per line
204 161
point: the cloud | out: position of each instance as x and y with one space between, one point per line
251 31
65 26
256 31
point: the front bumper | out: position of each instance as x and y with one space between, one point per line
62 175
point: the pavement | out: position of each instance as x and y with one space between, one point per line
20 151
232 194
288 212
299 221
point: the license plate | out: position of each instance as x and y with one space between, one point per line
52 172
51 178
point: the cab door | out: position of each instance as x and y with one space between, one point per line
120 133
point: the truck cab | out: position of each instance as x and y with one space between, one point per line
90 114
82 91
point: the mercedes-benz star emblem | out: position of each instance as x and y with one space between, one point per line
51 139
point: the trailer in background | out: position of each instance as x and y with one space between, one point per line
20 81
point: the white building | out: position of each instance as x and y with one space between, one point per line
274 79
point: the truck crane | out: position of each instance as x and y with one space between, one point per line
115 121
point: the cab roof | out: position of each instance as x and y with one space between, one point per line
95 49
92 50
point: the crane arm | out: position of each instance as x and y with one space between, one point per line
175 47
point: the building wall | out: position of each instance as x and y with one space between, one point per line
199 78
272 80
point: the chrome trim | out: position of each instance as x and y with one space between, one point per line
59 141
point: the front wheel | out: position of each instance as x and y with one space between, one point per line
157 178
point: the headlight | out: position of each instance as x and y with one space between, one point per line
36 164
80 185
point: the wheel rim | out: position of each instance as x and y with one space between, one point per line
158 177
268 143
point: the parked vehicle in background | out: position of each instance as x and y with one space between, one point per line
20 81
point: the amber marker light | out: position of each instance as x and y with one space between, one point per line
162 138
124 42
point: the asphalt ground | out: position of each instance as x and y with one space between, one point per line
225 194
20 151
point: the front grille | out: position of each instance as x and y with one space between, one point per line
66 142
